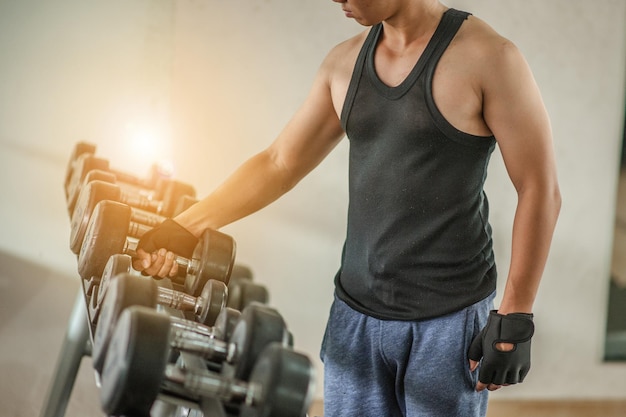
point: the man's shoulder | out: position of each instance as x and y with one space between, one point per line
479 37
480 46
348 49
341 59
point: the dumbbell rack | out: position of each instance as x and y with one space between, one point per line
80 334
77 341
76 344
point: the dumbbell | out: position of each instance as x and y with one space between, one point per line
151 188
205 308
86 162
168 198
95 191
160 195
243 291
79 149
242 271
138 369
111 230
124 290
261 324
83 160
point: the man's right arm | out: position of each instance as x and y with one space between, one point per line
305 141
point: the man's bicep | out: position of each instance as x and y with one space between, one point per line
310 135
514 111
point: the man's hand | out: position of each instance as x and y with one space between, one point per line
504 346
157 249
158 264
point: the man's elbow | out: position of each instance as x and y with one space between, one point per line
544 194
557 200
553 199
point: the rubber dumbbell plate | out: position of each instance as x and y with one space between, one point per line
105 236
285 379
124 291
257 327
136 363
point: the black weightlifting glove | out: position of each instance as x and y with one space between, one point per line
500 367
171 236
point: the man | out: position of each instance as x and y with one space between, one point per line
423 96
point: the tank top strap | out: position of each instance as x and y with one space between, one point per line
450 25
372 37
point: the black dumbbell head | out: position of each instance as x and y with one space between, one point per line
243 292
225 323
94 175
90 195
173 193
116 265
136 362
241 271
216 253
214 294
84 164
258 326
105 236
286 379
123 291
79 149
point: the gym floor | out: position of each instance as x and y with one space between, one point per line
35 305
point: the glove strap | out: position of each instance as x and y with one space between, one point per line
515 327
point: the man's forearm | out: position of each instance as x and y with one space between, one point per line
533 228
254 185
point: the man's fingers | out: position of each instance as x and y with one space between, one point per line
142 261
157 264
490 387
173 264
165 262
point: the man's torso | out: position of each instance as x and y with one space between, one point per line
458 79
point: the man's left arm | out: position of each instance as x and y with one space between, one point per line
514 111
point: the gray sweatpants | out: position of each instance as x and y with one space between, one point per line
386 368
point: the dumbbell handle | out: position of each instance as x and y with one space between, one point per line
207 347
179 300
185 266
195 327
205 307
142 201
125 177
141 221
202 383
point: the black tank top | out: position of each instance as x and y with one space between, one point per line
418 241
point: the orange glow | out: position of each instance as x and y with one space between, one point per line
144 140
143 146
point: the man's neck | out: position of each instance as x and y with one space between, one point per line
413 23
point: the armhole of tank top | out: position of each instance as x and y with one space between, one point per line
356 76
463 138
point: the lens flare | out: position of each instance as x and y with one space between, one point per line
146 147
144 140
